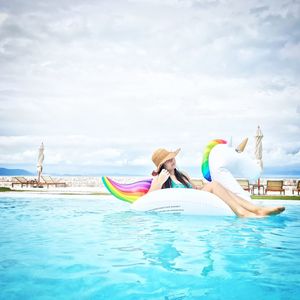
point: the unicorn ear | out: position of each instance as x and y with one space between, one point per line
241 147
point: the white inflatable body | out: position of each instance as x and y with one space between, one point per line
183 201
224 162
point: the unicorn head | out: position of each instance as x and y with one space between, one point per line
234 159
224 163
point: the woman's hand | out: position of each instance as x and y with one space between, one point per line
163 176
159 180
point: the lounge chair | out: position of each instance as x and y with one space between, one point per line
22 181
275 186
297 189
48 180
244 183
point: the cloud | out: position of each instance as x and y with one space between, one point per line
291 51
105 83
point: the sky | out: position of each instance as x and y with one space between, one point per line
104 83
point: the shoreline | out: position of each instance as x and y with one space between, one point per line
91 185
52 192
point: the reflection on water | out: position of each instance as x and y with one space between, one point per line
86 248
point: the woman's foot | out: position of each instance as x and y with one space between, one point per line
251 215
244 213
267 211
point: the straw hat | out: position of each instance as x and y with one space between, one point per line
161 155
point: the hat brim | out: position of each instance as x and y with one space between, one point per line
169 156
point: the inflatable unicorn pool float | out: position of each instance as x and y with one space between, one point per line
221 163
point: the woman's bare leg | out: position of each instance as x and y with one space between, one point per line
224 194
262 211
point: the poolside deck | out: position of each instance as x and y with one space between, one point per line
92 185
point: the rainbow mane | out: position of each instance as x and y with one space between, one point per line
205 161
127 192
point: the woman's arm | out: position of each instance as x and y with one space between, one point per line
155 185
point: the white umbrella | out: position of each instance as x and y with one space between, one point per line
40 161
230 142
258 148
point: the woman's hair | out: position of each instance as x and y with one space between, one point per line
179 176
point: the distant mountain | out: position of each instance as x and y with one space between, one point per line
291 171
14 172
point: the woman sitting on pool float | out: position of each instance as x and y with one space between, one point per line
167 176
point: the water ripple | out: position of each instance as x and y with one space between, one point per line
92 249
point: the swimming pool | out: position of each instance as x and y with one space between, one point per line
94 247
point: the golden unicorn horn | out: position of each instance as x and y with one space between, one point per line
241 147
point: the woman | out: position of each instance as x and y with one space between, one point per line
167 176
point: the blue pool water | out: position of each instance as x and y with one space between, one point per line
96 248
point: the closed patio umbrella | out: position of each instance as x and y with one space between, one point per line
258 148
40 162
